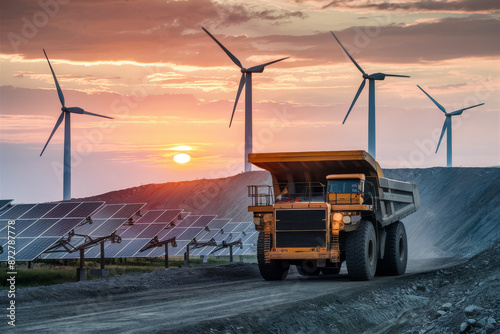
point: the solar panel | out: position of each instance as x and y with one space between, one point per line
101 227
113 249
151 231
149 217
160 251
190 233
168 216
46 225
34 248
128 210
207 235
39 210
203 221
108 227
180 249
188 221
3 225
61 210
62 227
171 233
36 229
132 248
20 244
21 224
16 211
85 209
230 227
218 224
87 228
241 227
133 231
4 203
107 211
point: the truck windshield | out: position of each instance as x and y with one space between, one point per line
344 186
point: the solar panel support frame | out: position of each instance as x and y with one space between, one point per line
225 244
155 243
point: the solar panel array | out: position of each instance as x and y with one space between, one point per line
39 226
4 203
187 230
108 219
234 231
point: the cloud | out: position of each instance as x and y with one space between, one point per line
113 28
466 6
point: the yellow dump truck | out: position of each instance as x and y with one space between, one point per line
325 208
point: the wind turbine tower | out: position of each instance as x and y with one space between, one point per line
447 127
371 98
246 79
66 116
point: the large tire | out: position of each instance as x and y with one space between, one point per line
396 251
273 271
361 252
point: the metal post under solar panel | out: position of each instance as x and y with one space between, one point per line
102 255
81 273
166 255
231 253
186 257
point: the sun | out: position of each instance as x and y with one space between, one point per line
182 158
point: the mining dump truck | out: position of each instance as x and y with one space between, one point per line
326 208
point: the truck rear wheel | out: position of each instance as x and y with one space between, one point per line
274 270
396 251
361 252
308 268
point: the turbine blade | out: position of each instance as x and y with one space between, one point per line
240 88
59 91
352 59
397 75
460 111
435 102
59 120
77 110
233 58
260 68
360 89
442 133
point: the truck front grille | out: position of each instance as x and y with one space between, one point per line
300 228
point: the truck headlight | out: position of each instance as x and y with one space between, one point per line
346 219
268 217
337 216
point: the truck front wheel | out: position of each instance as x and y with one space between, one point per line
361 252
274 270
396 251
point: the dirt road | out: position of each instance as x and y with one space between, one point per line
323 304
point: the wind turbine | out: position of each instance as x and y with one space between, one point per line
447 126
246 78
65 114
371 98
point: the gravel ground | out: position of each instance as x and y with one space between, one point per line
232 298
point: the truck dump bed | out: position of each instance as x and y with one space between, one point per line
395 199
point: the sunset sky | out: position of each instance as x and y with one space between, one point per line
149 65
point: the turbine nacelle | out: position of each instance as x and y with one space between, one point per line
374 76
